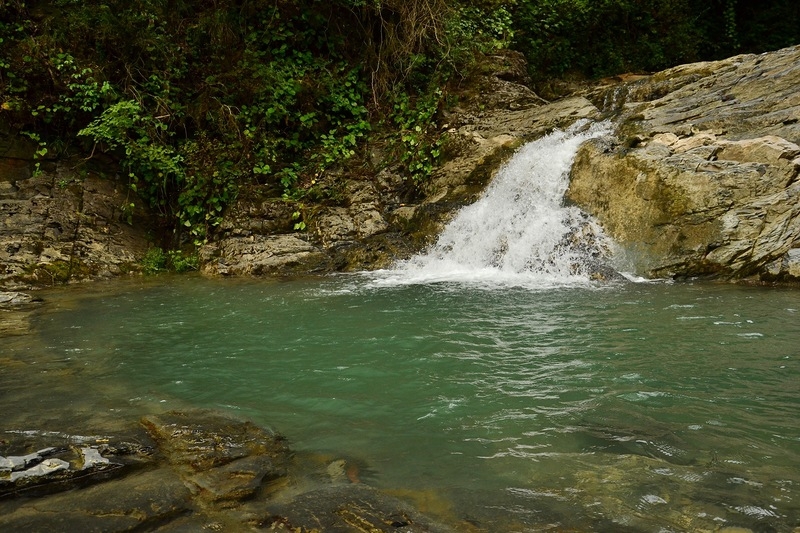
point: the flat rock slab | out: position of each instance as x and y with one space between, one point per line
136 502
222 460
64 467
201 439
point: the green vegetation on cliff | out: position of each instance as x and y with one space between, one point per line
197 99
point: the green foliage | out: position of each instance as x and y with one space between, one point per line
601 38
199 99
180 262
156 260
297 219
40 151
419 140
483 26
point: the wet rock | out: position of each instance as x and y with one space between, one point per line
203 439
695 184
16 299
221 460
349 508
92 459
48 467
16 463
258 255
138 502
71 462
235 481
207 471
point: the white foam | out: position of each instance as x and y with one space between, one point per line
519 233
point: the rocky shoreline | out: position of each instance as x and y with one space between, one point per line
68 464
191 470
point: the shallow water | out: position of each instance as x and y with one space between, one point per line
653 407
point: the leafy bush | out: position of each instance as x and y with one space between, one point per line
198 99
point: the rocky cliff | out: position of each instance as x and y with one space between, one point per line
701 178
62 221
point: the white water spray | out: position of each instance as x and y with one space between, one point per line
520 232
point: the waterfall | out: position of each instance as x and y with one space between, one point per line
519 232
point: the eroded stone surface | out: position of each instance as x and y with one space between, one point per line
61 226
207 471
702 177
350 508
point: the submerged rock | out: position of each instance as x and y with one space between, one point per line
701 178
207 471
141 502
349 508
220 459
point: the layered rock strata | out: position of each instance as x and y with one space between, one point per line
701 178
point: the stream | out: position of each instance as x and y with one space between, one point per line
509 388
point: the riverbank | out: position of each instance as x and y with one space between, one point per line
703 157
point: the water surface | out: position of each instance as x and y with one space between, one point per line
657 407
489 379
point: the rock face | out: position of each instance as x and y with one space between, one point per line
702 176
699 180
60 224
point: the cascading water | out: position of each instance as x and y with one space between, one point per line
519 232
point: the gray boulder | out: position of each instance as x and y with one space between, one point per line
701 177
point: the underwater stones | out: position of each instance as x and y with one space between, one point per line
221 460
137 502
201 439
350 508
16 309
206 471
235 481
